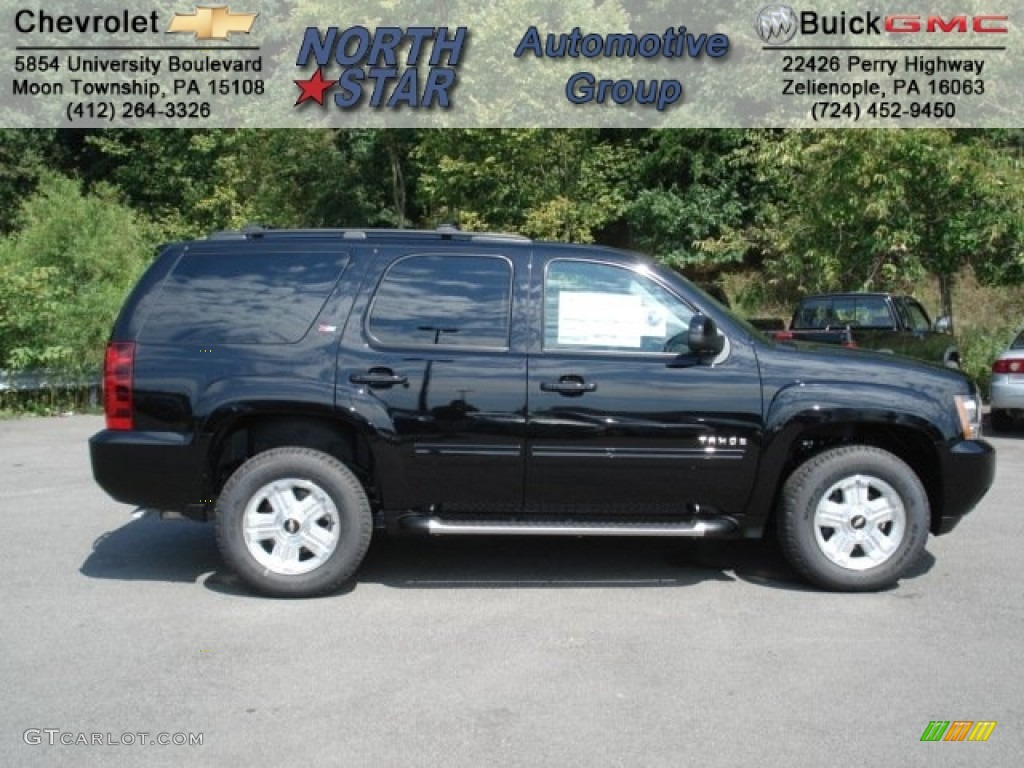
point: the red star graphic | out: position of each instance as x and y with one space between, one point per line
313 88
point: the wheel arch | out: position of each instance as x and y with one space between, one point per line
809 434
238 434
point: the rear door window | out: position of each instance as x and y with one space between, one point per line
443 300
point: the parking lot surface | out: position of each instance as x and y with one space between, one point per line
119 634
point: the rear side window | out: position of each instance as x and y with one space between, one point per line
256 294
443 300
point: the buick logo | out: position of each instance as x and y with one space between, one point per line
776 24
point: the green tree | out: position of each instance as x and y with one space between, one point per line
560 185
692 187
24 155
880 209
64 274
193 182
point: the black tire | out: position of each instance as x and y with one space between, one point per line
835 494
1001 420
293 522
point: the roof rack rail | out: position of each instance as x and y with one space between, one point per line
445 231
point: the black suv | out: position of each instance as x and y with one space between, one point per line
303 389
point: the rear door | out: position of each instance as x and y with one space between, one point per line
430 360
617 422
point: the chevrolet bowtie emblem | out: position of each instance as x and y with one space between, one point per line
212 23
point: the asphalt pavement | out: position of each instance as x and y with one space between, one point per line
120 634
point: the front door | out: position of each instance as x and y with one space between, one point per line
618 422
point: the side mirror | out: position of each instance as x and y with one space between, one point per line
703 338
943 324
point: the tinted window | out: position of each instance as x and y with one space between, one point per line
862 311
872 312
813 313
451 301
255 294
844 312
603 307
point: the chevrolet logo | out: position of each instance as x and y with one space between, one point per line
212 23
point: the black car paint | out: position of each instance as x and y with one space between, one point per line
487 432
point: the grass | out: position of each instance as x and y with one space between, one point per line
48 402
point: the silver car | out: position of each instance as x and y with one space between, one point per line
1007 392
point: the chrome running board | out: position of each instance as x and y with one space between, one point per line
436 526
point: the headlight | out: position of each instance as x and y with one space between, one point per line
969 409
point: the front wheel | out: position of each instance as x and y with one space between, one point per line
293 522
853 519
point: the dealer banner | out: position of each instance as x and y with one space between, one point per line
513 63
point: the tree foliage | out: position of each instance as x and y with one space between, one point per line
555 185
694 187
878 210
64 274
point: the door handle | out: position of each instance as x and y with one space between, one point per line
568 386
379 377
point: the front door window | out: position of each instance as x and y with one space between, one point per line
596 307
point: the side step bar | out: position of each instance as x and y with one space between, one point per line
436 526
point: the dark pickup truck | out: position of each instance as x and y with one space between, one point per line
308 390
879 321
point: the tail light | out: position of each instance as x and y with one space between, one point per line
1008 366
117 384
782 335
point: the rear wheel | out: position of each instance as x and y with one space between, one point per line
293 522
853 519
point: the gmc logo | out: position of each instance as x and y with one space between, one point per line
962 23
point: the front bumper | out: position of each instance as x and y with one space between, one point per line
160 470
968 469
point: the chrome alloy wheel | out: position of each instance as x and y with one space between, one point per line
291 526
860 522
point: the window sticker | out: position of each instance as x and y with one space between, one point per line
603 320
